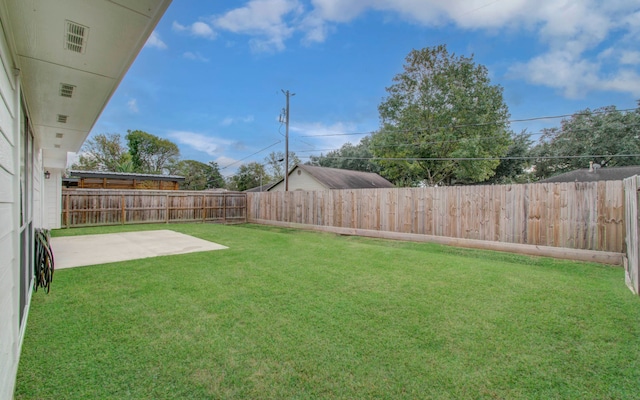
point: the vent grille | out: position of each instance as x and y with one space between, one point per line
59 135
75 37
57 146
62 118
66 90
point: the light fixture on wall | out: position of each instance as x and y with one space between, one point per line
47 174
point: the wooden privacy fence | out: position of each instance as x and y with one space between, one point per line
85 207
586 216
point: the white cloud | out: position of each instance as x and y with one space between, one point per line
233 120
133 106
178 27
262 19
630 57
570 31
322 137
211 145
315 28
570 28
198 29
203 30
194 56
73 158
575 76
223 162
155 41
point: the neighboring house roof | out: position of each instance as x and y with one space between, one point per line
263 188
124 175
335 178
597 174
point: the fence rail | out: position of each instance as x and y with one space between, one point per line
86 207
586 216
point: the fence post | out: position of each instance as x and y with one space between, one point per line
224 208
67 213
124 211
204 210
166 214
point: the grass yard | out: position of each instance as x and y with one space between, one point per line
286 314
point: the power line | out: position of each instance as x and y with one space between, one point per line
480 158
445 141
342 134
479 124
251 155
477 9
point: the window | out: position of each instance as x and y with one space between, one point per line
26 212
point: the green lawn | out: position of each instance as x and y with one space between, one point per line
290 314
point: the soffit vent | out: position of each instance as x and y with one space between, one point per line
62 118
75 37
59 135
66 90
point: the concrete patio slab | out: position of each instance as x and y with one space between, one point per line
79 251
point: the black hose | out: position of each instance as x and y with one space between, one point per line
43 261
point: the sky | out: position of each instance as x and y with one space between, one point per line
211 76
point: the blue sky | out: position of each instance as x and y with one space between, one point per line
210 77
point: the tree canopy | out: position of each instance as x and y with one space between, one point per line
601 136
516 163
151 154
354 157
104 152
441 110
274 164
248 176
198 175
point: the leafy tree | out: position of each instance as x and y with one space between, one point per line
198 175
605 132
354 157
216 180
248 176
104 152
151 154
441 107
275 164
513 168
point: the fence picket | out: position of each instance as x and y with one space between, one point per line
587 216
84 207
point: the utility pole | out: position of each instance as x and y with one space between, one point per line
286 142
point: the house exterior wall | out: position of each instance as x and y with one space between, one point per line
38 188
299 180
10 329
52 203
32 60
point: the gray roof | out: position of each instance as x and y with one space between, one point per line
335 178
124 175
599 174
263 188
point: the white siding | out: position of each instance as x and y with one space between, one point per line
38 192
9 318
52 200
302 181
9 260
